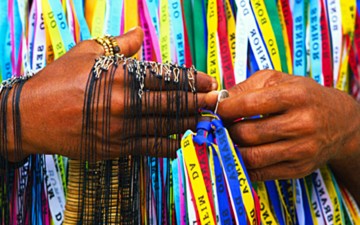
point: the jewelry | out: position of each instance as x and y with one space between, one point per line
116 48
102 42
9 83
109 44
191 78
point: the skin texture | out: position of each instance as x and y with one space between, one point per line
304 126
52 103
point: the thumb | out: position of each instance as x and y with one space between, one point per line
254 82
211 99
131 41
258 80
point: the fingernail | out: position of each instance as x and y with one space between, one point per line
133 28
214 86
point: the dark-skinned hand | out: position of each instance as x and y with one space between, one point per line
304 126
52 102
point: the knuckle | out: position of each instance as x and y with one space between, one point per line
235 133
90 47
272 78
247 102
252 158
307 150
301 94
266 73
301 169
308 122
238 88
303 151
258 74
298 88
312 149
86 44
241 133
256 175
308 169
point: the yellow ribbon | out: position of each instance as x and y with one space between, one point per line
212 53
197 181
286 39
165 31
131 14
89 11
244 185
263 20
348 8
52 30
231 27
98 20
335 201
266 213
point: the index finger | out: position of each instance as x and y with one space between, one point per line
269 100
201 81
130 42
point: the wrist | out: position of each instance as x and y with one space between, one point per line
6 125
10 125
346 162
350 146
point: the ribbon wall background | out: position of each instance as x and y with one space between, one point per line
227 39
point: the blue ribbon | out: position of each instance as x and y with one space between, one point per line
36 210
275 200
229 170
182 170
299 28
253 64
153 9
79 11
177 33
222 196
307 210
315 41
115 13
221 190
176 188
5 47
17 32
60 19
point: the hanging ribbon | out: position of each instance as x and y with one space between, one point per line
229 40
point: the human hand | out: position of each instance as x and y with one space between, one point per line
304 125
52 103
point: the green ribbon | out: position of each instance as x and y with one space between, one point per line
199 35
275 23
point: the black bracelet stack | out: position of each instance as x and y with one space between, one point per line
10 89
15 84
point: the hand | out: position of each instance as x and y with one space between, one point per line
52 103
304 125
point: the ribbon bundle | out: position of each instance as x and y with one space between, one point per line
207 182
217 185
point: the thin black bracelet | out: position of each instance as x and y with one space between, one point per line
6 85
